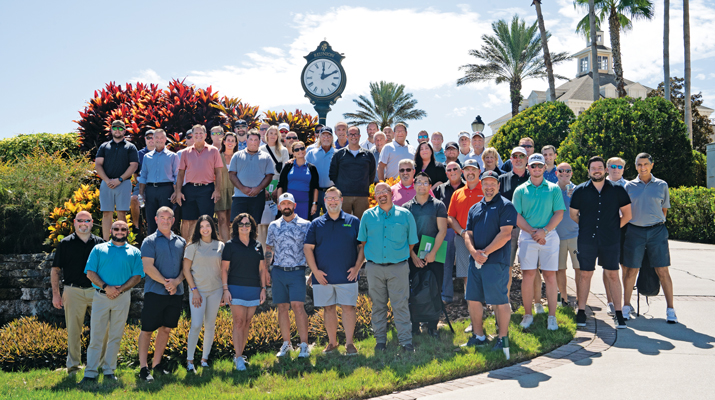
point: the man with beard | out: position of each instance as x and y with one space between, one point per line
284 251
115 163
372 129
444 194
114 268
240 128
601 209
71 258
335 257
353 171
451 153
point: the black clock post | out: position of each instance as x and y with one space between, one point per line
323 79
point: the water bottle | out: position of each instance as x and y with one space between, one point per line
141 201
505 342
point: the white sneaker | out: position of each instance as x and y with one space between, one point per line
526 321
285 349
204 364
551 324
628 312
611 310
538 308
190 368
468 329
240 363
670 316
304 351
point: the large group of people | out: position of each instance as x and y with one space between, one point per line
258 208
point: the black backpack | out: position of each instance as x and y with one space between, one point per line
426 298
648 283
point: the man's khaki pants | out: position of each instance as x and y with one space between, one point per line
108 318
355 205
390 282
76 301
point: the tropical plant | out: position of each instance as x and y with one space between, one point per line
620 15
301 123
545 49
388 104
702 127
232 109
17 147
686 46
595 77
666 47
512 54
691 216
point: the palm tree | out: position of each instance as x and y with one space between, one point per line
595 77
388 104
620 15
666 47
545 48
512 54
686 45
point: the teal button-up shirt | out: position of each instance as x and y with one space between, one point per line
115 264
388 235
537 204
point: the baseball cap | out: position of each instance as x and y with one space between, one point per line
536 158
477 133
489 174
464 134
472 163
327 129
119 123
149 132
451 144
240 122
282 126
286 196
518 149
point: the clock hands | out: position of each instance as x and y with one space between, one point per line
325 76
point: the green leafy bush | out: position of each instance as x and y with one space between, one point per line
625 127
692 214
546 123
67 144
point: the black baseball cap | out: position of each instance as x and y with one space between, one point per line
490 174
240 122
327 129
451 144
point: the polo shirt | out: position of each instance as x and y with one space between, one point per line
436 171
509 181
168 255
620 182
462 200
244 262
401 194
387 235
338 146
159 167
537 204
392 154
287 239
321 159
567 228
485 221
250 169
200 165
551 175
71 257
648 201
241 145
445 191
426 215
115 264
336 244
439 156
600 218
506 167
367 145
117 157
469 156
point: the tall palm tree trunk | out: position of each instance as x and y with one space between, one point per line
666 49
594 52
515 95
614 27
686 45
545 47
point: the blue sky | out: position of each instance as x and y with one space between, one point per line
55 54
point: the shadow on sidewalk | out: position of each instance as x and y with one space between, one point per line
678 332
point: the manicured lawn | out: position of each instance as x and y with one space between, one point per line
321 377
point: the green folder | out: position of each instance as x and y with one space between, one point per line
272 186
426 244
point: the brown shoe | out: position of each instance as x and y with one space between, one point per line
350 350
329 348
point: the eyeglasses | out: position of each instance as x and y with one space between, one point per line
354 134
217 133
244 224
291 137
332 199
536 166
518 156
298 149
119 229
263 129
405 170
563 171
117 128
614 166
421 183
83 221
526 146
381 192
452 169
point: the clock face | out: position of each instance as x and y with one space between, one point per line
322 77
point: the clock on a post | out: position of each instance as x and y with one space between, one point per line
323 78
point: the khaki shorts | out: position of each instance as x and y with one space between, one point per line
568 248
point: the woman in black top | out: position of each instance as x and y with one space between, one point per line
244 280
424 159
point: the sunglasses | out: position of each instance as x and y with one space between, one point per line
518 156
536 166
298 149
526 146
83 221
189 137
452 169
117 128
563 171
614 166
291 137
263 129
405 170
421 183
422 137
244 224
119 229
217 133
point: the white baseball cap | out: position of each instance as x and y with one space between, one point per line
286 196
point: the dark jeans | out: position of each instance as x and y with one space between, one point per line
156 197
252 205
447 283
437 269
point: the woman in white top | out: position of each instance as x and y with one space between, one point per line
202 269
280 157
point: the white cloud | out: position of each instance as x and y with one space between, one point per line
700 77
460 111
148 76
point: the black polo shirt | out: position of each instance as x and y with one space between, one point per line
509 181
244 262
600 219
436 172
426 215
71 257
117 157
445 191
485 220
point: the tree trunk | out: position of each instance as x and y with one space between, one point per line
614 27
594 53
545 48
515 95
686 45
666 49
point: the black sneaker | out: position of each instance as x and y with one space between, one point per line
620 321
581 318
408 348
159 370
433 333
87 380
380 347
145 375
110 378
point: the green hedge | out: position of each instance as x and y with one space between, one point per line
14 148
692 214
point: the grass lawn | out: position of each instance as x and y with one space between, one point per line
320 377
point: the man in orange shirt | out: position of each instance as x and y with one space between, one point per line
462 200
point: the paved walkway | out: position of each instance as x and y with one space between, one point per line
649 360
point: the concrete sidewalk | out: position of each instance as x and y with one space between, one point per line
649 360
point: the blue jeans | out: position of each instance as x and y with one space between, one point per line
447 284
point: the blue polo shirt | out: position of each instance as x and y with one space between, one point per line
321 159
440 156
168 255
537 204
335 245
485 220
114 264
551 175
388 235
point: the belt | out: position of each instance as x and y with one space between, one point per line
650 226
289 269
199 184
101 291
160 184
387 264
78 286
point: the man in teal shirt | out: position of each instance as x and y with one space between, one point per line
387 231
541 208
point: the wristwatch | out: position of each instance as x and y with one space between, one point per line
120 179
546 231
104 286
